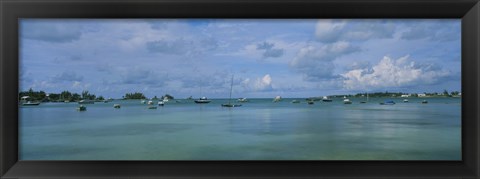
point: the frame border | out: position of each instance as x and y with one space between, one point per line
12 10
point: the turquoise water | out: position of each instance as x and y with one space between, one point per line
259 130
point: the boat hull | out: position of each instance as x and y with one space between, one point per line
202 101
30 104
231 105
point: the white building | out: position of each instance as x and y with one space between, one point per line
405 95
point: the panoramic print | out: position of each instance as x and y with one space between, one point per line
240 89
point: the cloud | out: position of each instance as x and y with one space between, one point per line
259 84
432 30
51 30
182 46
329 31
316 63
391 73
269 51
68 76
176 47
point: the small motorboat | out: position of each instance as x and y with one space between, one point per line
277 99
388 103
81 108
242 100
231 105
295 101
30 103
347 101
326 99
405 100
116 106
152 107
310 102
203 100
161 103
86 102
424 102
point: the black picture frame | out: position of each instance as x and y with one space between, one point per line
466 10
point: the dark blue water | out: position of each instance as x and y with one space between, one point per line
259 130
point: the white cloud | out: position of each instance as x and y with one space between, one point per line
259 84
391 73
316 63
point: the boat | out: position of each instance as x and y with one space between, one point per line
295 101
347 101
116 106
230 99
86 102
81 108
26 102
161 103
143 101
424 102
277 99
326 99
203 100
165 99
405 100
310 102
388 103
150 102
152 107
242 100
30 103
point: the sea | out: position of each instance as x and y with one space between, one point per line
258 130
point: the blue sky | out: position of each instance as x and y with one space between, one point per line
197 57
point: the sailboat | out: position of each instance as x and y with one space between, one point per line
230 99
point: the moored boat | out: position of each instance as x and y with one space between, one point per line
388 103
81 108
242 100
405 100
116 106
86 102
277 99
326 99
424 102
295 101
347 101
229 104
30 103
203 100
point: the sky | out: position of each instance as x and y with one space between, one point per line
266 57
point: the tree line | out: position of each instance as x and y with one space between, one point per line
73 97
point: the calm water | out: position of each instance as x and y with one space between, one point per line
259 130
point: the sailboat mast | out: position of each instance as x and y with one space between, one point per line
231 88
